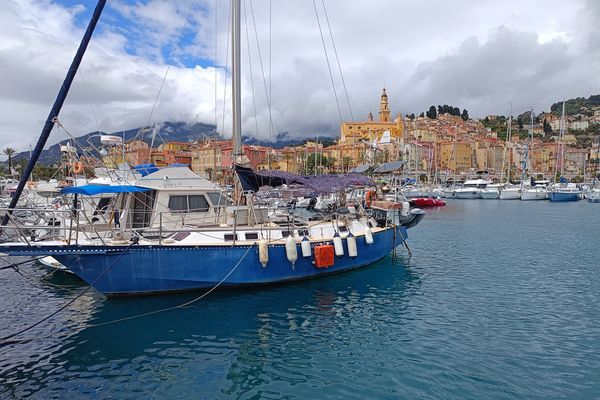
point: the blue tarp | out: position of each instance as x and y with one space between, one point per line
91 190
146 169
563 180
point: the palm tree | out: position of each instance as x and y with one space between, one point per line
10 152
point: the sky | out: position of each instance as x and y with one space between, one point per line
479 55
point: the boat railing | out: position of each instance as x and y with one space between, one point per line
31 225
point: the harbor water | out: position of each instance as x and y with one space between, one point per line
498 301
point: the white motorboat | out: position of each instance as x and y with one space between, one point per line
510 192
538 191
491 192
472 189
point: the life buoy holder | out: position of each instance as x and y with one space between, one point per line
78 167
369 197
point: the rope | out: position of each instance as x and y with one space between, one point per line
262 69
338 61
183 304
65 306
328 64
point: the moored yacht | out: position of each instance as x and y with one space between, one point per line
562 192
510 192
471 189
491 192
538 191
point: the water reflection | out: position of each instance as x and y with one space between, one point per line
242 337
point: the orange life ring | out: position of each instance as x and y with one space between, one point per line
77 167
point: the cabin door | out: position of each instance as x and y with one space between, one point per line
143 204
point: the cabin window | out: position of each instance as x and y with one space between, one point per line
286 233
343 229
251 236
218 199
230 237
198 203
178 204
188 203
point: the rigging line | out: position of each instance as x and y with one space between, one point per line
251 73
338 61
183 304
66 305
226 64
328 64
20 263
272 127
162 84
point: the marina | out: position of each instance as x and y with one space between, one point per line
486 320
219 233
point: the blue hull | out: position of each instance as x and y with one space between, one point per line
562 197
143 269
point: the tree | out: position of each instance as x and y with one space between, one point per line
422 115
314 162
465 115
547 127
9 152
432 113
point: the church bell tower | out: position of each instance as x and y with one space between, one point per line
384 108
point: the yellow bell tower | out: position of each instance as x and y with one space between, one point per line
384 108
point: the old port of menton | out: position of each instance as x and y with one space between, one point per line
433 255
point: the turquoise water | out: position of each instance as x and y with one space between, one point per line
499 301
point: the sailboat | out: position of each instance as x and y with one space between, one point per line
173 230
593 194
563 190
508 190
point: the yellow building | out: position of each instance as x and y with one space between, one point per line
354 132
455 156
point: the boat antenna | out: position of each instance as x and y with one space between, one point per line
55 111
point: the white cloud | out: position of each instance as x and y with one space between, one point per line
476 55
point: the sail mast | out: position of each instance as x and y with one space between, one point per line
55 111
236 81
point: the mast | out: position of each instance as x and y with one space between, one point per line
562 141
55 111
236 75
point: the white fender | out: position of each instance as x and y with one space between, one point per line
290 250
352 249
337 245
405 212
368 235
263 252
305 246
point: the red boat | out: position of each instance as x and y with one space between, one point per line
427 202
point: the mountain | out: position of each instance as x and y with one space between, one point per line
168 132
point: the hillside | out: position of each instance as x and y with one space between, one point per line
578 105
168 132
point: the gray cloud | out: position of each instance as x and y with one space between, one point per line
472 55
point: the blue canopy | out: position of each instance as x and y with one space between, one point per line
146 169
91 190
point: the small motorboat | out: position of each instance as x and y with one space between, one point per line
427 202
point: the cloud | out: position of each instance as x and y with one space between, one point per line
472 55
